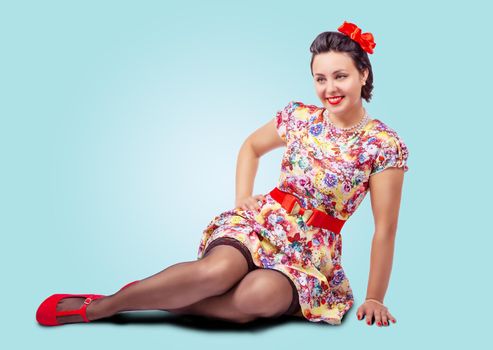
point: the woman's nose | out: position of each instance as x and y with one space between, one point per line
331 87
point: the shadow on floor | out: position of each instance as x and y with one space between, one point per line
194 322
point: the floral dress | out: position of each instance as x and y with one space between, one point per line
328 175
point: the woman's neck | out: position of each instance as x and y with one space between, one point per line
348 120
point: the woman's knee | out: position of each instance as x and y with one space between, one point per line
221 272
263 293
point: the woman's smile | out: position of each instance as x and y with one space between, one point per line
335 100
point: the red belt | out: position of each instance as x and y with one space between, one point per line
312 217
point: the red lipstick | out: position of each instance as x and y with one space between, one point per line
334 101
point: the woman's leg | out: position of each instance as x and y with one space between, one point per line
177 286
261 293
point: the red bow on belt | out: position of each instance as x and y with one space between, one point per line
365 40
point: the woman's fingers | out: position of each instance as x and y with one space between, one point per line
369 316
375 315
391 318
360 315
257 198
378 317
254 205
361 312
385 321
253 202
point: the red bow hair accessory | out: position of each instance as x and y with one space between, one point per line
365 40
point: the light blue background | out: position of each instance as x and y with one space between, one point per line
120 128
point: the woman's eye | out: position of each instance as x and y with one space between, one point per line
339 76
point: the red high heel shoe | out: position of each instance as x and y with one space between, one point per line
47 314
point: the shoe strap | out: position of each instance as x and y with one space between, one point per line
80 312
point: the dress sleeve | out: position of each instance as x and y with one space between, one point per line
284 121
392 152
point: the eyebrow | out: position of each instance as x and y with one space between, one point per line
337 71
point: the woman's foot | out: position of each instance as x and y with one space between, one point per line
73 307
93 310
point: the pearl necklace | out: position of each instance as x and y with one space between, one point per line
343 131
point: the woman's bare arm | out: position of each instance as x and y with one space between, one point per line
385 192
261 141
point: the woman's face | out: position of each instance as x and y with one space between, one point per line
335 74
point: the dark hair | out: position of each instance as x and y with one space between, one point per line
338 42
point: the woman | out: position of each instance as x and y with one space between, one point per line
280 253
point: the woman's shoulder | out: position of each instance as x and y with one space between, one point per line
388 148
303 106
294 118
379 129
301 111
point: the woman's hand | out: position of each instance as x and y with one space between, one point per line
375 312
249 202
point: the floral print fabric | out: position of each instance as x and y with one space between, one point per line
329 175
333 177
